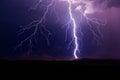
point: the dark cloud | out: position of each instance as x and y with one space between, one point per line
107 3
114 3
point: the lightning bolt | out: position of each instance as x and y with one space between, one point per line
74 30
37 25
40 24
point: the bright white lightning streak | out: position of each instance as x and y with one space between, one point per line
74 30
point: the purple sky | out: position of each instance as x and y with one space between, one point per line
111 32
14 13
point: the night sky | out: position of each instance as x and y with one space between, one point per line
14 13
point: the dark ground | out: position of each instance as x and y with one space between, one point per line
58 66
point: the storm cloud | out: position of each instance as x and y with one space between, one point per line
114 3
